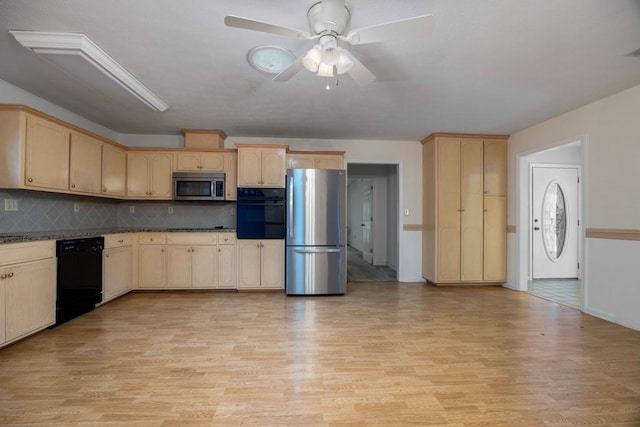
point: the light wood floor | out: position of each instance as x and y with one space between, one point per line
384 354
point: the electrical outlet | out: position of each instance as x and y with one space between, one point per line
233 211
76 207
10 205
132 209
170 210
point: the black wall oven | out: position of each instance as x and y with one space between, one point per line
260 213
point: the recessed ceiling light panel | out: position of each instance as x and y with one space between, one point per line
73 52
270 59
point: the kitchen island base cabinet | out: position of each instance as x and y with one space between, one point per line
260 264
27 289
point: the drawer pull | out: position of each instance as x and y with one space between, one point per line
10 275
73 186
30 179
4 276
121 241
107 255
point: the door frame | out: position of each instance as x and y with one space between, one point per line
579 213
518 268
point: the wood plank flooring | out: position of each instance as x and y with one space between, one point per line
384 354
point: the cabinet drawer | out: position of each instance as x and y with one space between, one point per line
117 240
152 239
12 253
192 238
226 238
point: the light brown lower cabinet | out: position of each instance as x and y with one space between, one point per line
117 266
260 264
27 289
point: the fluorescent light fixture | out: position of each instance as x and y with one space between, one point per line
74 51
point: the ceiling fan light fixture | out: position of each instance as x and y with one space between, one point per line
312 59
344 62
330 53
325 70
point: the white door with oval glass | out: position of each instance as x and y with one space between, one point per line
554 225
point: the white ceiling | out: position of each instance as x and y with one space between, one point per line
491 66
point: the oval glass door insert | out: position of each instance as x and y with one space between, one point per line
554 220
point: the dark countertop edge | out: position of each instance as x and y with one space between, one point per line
70 234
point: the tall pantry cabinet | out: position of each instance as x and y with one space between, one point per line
465 230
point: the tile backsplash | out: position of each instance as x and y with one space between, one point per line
39 211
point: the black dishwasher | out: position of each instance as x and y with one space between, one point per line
79 284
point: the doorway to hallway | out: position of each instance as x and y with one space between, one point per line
372 222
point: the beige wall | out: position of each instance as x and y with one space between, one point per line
611 131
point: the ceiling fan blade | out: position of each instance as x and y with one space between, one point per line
359 73
419 27
290 71
264 27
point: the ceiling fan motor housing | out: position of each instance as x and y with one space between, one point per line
328 17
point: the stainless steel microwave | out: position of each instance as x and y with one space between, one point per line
198 186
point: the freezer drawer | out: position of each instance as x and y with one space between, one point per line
313 270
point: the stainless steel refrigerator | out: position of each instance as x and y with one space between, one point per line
316 254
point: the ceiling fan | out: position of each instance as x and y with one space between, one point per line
329 24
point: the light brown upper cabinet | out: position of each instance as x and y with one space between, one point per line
464 220
315 160
114 171
231 175
85 170
261 165
46 154
149 175
200 162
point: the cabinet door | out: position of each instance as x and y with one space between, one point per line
273 167
85 164
227 266
248 264
495 238
472 205
448 211
231 176
329 162
118 272
161 181
138 173
205 267
249 167
114 171
152 266
300 161
179 267
272 264
188 162
30 297
47 155
212 162
495 168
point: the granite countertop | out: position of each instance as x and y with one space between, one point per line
71 234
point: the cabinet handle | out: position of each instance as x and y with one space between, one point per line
73 186
486 210
107 256
162 250
120 241
104 190
4 276
219 250
30 179
151 239
10 275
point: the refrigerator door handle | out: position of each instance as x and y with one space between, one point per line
290 200
317 251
